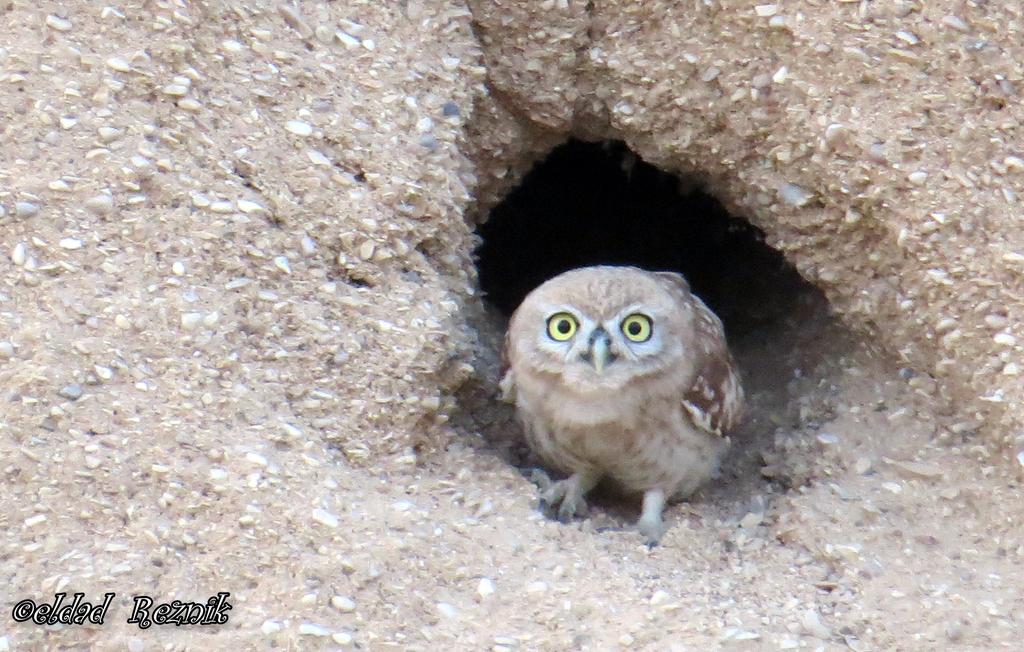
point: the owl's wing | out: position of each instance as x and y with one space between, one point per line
714 401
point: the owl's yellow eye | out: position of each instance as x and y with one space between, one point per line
562 326
637 327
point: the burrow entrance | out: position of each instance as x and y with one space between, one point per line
593 203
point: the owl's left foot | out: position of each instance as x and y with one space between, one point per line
564 498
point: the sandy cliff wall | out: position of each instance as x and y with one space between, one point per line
877 144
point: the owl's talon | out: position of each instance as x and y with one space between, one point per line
540 479
650 524
553 494
651 531
569 509
567 496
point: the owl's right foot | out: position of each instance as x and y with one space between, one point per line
564 499
650 523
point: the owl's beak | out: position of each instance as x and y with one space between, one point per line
600 355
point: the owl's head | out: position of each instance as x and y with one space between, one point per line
600 328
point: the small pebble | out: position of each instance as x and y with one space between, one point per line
190 320
108 134
256 458
447 610
72 392
118 64
794 195
1014 163
218 474
956 23
58 23
281 262
101 204
343 603
876 152
350 42
828 439
324 517
312 629
299 128
710 74
737 634
659 597
450 110
70 244
812 624
270 627
18 254
295 20
915 469
175 90
247 206
342 638
316 158
995 321
1005 339
6 349
835 133
351 27
485 588
908 37
25 209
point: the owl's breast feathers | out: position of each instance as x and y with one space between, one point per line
714 401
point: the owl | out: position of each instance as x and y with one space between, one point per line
621 374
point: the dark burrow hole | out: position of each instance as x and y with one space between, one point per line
598 203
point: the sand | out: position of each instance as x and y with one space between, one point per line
243 348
